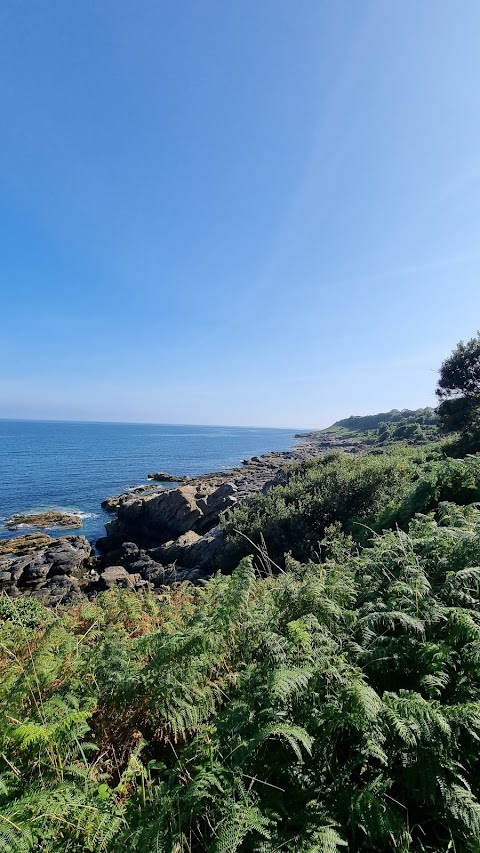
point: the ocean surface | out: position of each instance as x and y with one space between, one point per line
74 466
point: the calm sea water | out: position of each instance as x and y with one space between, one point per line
74 466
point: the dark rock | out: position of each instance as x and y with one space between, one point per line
152 572
68 555
34 573
59 589
129 551
137 561
5 580
110 545
13 591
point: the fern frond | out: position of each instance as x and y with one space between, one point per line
296 736
285 682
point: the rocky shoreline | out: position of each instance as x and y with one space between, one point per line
157 534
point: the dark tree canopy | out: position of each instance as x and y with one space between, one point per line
459 387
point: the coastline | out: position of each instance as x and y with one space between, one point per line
157 534
252 475
72 467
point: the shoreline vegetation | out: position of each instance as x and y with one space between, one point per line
295 669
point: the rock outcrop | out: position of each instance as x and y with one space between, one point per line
176 526
153 519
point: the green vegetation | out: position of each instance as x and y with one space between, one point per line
365 423
414 426
459 392
324 696
364 494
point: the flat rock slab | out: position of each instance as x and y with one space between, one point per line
21 545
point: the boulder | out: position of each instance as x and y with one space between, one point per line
115 576
214 504
191 550
137 562
129 552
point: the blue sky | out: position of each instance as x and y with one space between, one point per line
259 212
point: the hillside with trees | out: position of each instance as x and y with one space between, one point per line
319 693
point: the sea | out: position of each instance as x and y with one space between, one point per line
75 465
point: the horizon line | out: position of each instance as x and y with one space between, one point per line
152 423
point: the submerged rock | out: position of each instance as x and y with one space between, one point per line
162 477
52 518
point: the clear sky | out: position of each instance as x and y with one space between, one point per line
261 212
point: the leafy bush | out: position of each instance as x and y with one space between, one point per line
354 491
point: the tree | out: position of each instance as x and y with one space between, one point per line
459 388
